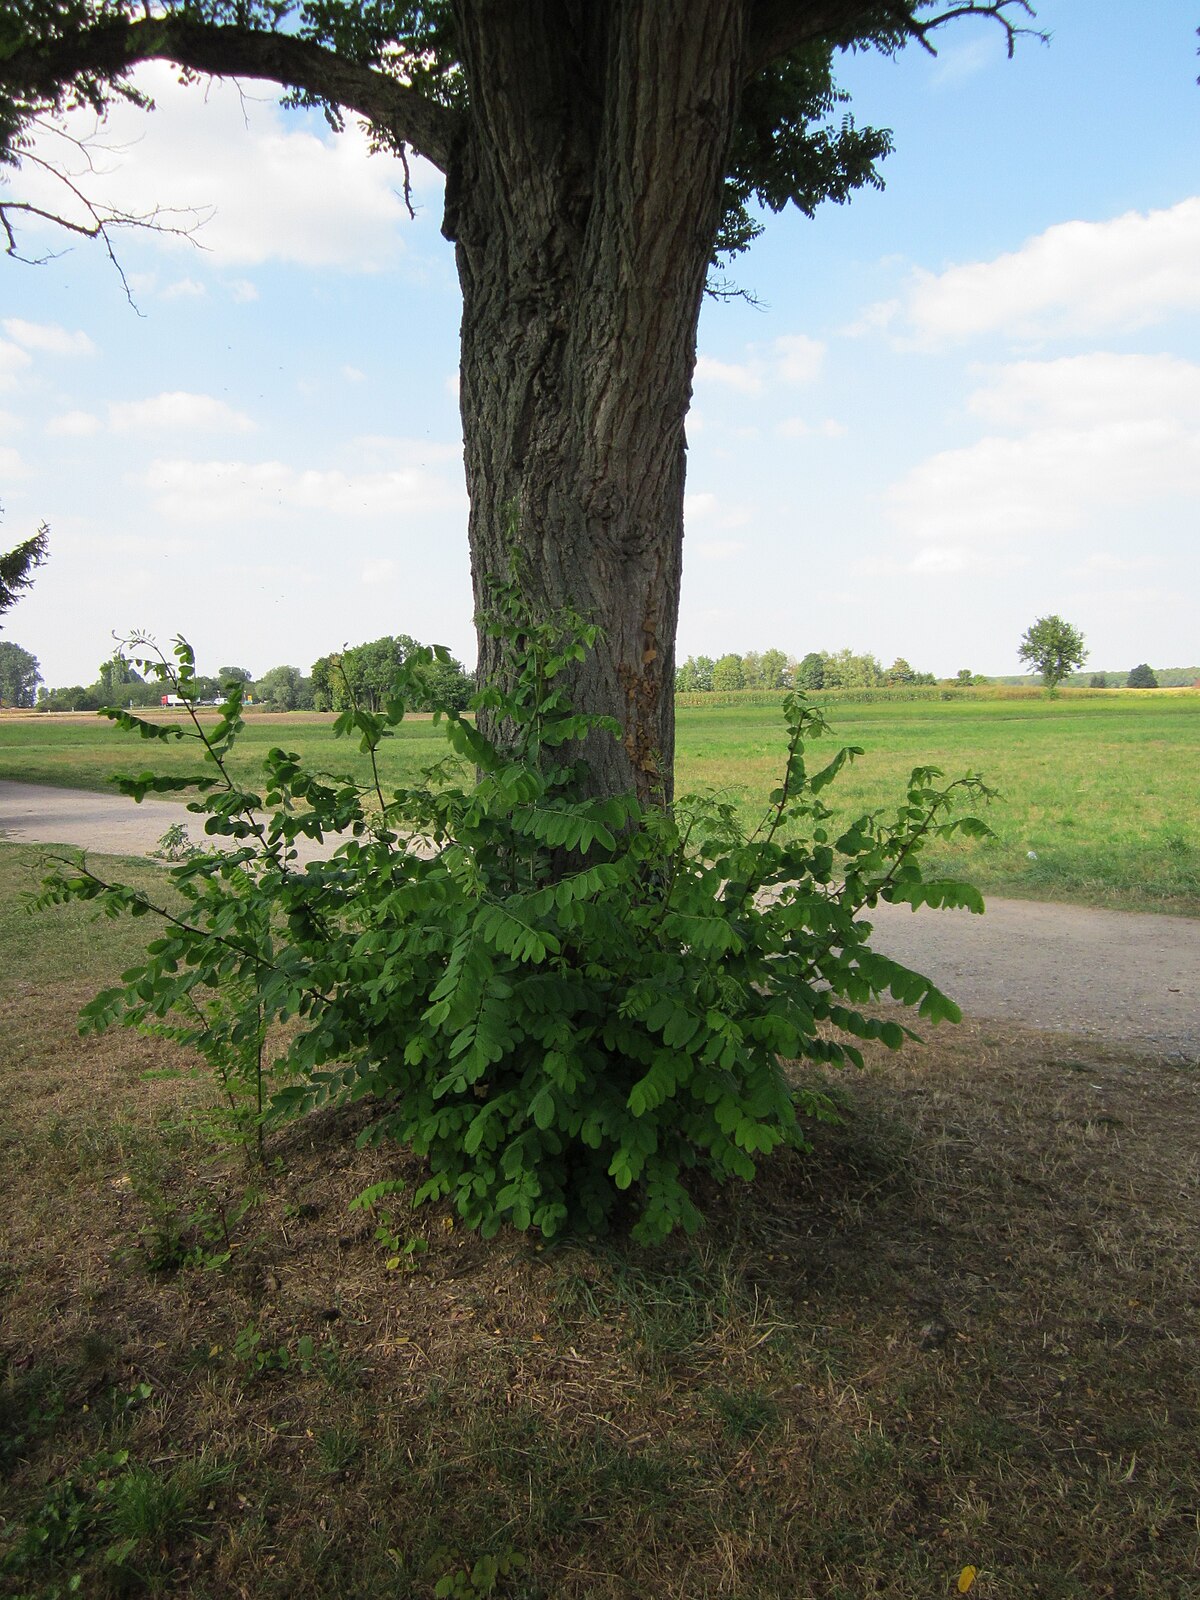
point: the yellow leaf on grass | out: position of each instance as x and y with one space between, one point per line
966 1578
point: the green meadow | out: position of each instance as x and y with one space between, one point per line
1097 797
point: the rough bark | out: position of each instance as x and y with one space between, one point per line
583 203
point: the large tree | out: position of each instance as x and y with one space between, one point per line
598 155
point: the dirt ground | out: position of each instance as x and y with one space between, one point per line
1126 977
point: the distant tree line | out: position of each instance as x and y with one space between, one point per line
359 674
819 669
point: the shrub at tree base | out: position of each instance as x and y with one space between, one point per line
570 1007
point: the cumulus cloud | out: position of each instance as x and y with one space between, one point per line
798 359
183 289
1075 278
382 571
1081 437
197 491
11 465
704 508
48 337
793 358
13 363
729 374
717 549
177 412
1085 391
267 185
801 428
73 425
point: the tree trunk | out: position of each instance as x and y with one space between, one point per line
583 204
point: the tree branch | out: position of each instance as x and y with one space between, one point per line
778 26
95 221
111 48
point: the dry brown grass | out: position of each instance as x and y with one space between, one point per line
961 1332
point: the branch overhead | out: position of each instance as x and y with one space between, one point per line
778 26
108 49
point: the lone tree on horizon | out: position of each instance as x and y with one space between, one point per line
1054 648
599 156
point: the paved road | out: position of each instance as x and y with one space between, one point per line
1124 976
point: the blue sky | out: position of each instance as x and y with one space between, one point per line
961 403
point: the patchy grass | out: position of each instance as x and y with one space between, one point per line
1098 799
960 1333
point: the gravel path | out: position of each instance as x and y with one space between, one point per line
1128 977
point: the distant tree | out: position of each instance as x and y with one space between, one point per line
773 670
1052 647
113 677
234 675
17 567
695 676
729 673
752 670
810 674
685 677
77 697
898 673
321 679
363 675
74 698
279 689
1098 680
1141 677
449 684
845 670
19 675
705 667
966 679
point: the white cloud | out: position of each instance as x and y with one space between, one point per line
1090 435
383 571
352 374
242 291
11 465
706 509
397 451
180 411
718 549
190 491
800 428
10 423
731 375
13 362
183 289
799 359
1102 561
48 337
1075 278
73 425
1084 391
265 184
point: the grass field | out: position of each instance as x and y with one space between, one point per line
958 1337
1099 800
